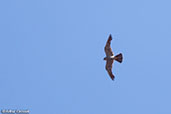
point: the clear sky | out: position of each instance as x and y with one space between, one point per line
51 56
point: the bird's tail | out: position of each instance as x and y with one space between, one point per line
119 57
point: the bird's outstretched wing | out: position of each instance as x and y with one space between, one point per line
108 49
109 68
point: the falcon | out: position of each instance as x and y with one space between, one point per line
110 58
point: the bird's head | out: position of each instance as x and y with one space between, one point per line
105 58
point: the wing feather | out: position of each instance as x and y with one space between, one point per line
109 68
108 49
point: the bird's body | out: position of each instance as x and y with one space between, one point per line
110 57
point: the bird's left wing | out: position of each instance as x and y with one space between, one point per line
108 49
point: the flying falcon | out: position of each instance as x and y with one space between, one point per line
110 57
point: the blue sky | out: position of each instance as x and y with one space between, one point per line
51 56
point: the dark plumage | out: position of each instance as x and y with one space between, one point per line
110 57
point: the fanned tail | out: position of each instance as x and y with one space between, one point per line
119 58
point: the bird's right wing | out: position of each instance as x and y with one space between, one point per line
109 68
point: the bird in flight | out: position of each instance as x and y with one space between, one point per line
110 57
